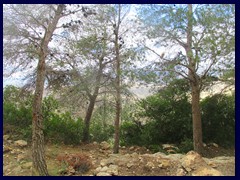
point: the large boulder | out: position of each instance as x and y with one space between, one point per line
20 143
192 161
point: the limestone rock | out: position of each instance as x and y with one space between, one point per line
6 137
21 157
104 145
106 162
129 165
103 174
6 149
95 143
113 170
131 148
181 172
20 143
192 160
165 163
169 146
27 165
150 165
206 171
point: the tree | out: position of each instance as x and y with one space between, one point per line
27 35
118 13
204 37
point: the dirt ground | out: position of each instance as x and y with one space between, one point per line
131 161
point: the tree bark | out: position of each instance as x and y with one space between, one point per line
38 151
197 122
86 135
118 86
92 98
195 87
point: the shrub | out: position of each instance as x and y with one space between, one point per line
63 129
218 119
100 132
186 145
80 162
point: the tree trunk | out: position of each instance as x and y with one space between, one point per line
118 90
196 117
195 87
87 119
38 151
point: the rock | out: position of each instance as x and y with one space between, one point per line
131 148
165 163
103 174
21 157
129 165
171 151
20 143
134 155
159 154
214 145
9 141
204 145
27 165
106 162
169 146
95 143
181 172
6 149
6 137
71 170
104 145
192 160
175 156
103 169
113 170
149 165
206 171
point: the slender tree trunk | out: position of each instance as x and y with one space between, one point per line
86 134
195 87
38 151
118 87
118 111
87 119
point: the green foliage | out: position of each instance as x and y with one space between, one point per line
218 119
130 134
63 129
17 114
101 132
169 111
17 111
186 145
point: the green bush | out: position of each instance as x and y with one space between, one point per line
130 134
218 119
100 132
63 129
186 145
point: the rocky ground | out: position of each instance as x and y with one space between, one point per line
131 161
